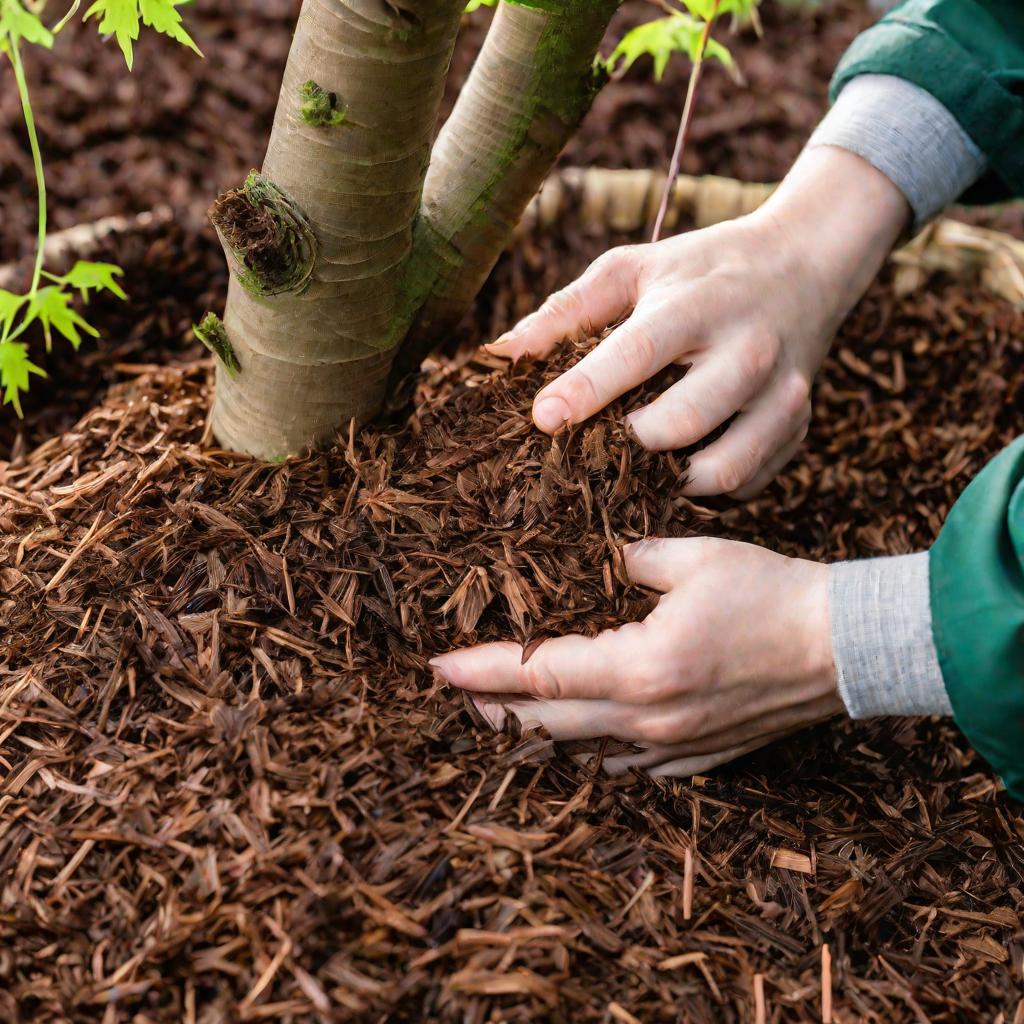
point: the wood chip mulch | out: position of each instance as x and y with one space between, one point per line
229 791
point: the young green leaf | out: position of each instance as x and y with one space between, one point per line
120 18
16 23
658 39
15 369
87 276
52 308
9 306
474 4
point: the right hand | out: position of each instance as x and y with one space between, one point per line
751 305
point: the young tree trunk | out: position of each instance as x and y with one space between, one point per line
530 87
345 241
320 240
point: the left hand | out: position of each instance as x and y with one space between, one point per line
736 653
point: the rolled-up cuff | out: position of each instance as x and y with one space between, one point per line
882 638
908 135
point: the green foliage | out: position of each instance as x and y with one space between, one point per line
88 277
120 18
50 306
705 9
15 370
659 39
17 24
474 4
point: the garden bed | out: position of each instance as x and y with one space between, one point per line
232 791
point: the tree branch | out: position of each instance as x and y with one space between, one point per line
532 83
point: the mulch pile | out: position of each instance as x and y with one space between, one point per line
232 791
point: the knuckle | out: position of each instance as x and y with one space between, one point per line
567 301
610 261
659 730
578 391
731 474
796 394
682 419
649 685
759 355
639 351
540 680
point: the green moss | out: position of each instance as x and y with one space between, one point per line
212 334
319 108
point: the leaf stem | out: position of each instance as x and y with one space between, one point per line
37 160
685 123
67 17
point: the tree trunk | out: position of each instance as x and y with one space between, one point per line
319 242
531 85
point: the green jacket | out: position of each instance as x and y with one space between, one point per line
969 54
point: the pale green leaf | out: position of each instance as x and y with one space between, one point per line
9 306
121 19
474 4
15 370
16 23
660 39
52 308
87 276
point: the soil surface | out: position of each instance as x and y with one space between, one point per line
232 792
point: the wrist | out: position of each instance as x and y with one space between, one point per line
833 222
810 628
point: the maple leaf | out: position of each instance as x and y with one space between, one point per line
9 306
659 39
86 276
121 19
15 370
16 23
52 308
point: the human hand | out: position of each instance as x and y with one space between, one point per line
752 305
736 653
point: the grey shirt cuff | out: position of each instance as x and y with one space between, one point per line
882 638
907 134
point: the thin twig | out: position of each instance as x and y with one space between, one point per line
684 124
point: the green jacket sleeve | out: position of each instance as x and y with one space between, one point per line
977 596
969 54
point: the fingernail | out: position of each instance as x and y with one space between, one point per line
503 340
442 668
550 414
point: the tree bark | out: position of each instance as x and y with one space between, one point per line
319 242
532 83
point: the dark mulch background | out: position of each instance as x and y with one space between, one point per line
230 790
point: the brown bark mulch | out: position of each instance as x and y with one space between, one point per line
231 791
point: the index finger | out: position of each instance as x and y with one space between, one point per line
603 293
594 668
